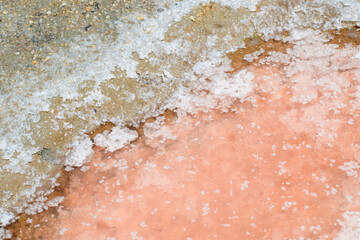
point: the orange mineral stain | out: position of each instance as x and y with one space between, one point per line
272 167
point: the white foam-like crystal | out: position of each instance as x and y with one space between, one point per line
249 4
157 133
358 55
80 152
235 86
116 139
5 217
210 86
351 11
350 226
5 234
55 201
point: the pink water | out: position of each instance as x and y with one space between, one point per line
269 169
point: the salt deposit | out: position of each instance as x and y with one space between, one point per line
116 139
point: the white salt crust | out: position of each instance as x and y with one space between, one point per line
5 234
350 226
80 152
157 133
358 55
210 86
223 88
6 217
116 139
55 201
